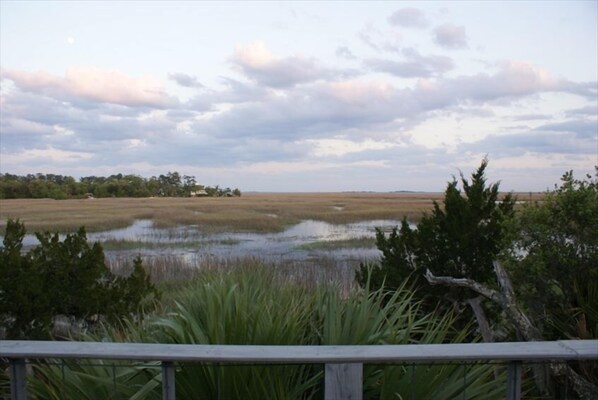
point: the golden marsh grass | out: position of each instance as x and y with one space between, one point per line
253 212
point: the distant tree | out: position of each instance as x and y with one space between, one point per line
170 184
189 185
116 185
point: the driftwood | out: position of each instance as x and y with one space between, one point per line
480 316
505 298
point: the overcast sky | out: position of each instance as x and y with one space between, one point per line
306 96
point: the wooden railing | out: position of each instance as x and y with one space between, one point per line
343 364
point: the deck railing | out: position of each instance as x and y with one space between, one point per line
343 364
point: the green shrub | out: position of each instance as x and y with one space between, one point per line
61 277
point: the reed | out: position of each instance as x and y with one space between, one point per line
365 242
252 212
255 212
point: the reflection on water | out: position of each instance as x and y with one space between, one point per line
193 245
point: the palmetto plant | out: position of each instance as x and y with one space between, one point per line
251 307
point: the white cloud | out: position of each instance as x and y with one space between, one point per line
48 154
357 92
90 83
186 80
62 131
259 64
341 147
281 167
19 126
408 18
412 65
450 36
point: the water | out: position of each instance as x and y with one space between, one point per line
192 245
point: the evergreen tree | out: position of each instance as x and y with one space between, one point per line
61 277
459 239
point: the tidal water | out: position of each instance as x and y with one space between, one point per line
191 244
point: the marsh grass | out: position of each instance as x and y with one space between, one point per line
123 244
365 242
170 272
253 212
250 213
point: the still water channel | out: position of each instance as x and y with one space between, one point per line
307 240
193 244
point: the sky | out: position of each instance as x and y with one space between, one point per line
301 96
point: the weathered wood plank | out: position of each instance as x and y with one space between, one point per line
343 381
168 381
514 380
525 351
18 379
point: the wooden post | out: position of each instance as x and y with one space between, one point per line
343 381
514 380
18 379
168 381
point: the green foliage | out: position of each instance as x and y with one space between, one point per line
23 312
557 264
61 277
62 187
251 306
68 379
460 239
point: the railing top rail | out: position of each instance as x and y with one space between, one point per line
511 351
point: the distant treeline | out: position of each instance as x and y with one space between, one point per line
37 186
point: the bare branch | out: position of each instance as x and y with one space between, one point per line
480 316
504 281
463 282
584 388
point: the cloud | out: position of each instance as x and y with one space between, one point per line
46 154
590 111
186 80
340 147
233 92
260 65
513 79
408 18
537 142
358 106
94 84
450 36
17 126
575 137
582 129
378 40
530 117
344 52
414 65
326 125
